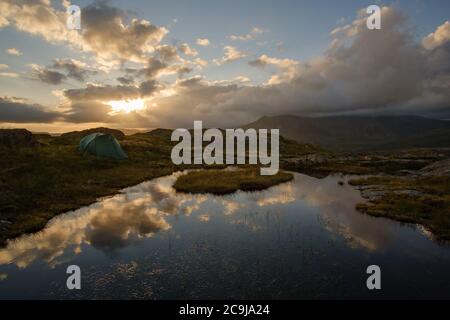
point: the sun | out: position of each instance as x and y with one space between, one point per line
126 106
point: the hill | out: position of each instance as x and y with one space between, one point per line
358 133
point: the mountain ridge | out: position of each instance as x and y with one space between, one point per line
360 133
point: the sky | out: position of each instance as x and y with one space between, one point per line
148 64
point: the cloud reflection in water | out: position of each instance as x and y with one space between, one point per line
149 208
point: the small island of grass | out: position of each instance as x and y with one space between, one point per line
226 181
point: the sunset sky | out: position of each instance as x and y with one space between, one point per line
147 64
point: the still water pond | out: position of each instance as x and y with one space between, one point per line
301 239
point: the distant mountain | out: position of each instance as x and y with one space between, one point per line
358 133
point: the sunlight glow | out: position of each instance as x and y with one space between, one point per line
126 106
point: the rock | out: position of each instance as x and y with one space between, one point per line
308 159
17 138
408 192
439 168
406 173
373 193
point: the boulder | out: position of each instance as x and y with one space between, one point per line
439 168
17 138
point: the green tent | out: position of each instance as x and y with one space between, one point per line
102 145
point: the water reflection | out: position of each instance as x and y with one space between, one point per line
303 217
141 211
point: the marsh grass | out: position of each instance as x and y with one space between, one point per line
430 207
224 182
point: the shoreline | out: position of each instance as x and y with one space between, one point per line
282 177
53 178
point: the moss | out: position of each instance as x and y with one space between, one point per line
430 207
218 182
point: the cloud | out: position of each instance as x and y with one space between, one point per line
437 38
90 104
46 75
249 36
95 92
148 88
167 53
200 62
17 110
9 74
188 50
157 67
236 80
14 52
37 18
106 31
54 75
100 112
203 42
230 54
288 68
88 111
3 22
193 98
74 69
356 75
126 80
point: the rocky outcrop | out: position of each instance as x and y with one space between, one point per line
307 159
440 168
377 191
17 138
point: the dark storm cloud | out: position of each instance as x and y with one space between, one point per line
90 111
94 92
17 110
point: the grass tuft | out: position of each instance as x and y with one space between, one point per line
225 182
